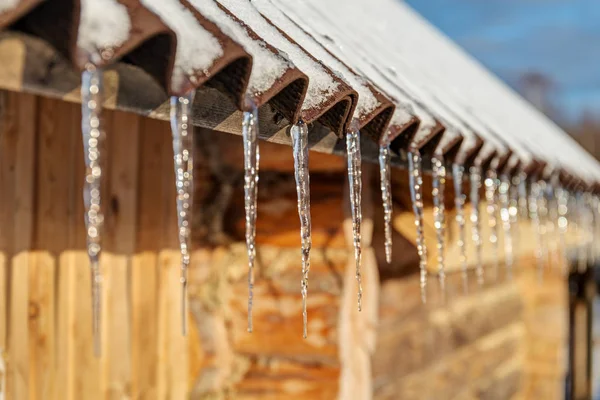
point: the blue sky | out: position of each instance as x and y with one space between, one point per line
559 38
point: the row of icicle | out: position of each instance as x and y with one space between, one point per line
546 204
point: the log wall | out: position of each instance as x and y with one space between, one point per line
480 345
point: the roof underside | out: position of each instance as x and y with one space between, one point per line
338 63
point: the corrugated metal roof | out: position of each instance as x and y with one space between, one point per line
377 62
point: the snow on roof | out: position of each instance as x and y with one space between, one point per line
268 67
321 84
197 48
491 100
104 24
369 42
367 102
319 30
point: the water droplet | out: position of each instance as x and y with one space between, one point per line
251 169
416 193
299 133
92 90
355 186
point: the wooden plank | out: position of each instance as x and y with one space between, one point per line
17 274
6 236
58 233
121 222
144 269
41 310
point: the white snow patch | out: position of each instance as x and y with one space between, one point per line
367 102
7 5
267 66
197 48
103 24
321 85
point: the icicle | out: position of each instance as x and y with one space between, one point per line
581 232
251 165
386 197
543 217
513 212
562 201
596 212
458 172
355 185
504 193
93 138
300 144
551 221
535 221
492 211
183 156
416 194
439 182
475 178
523 201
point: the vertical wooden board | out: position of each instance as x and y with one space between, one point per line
42 268
57 166
145 281
17 335
7 145
60 165
121 208
174 347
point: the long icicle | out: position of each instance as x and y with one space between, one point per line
355 189
523 201
542 221
416 194
513 211
92 90
535 221
504 199
386 197
458 172
183 156
562 201
551 221
492 211
439 216
251 167
475 178
300 145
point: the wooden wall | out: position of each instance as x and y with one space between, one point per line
473 346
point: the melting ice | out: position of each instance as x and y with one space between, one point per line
355 186
183 150
438 183
504 200
386 197
300 145
458 172
251 163
492 211
475 179
416 194
93 138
